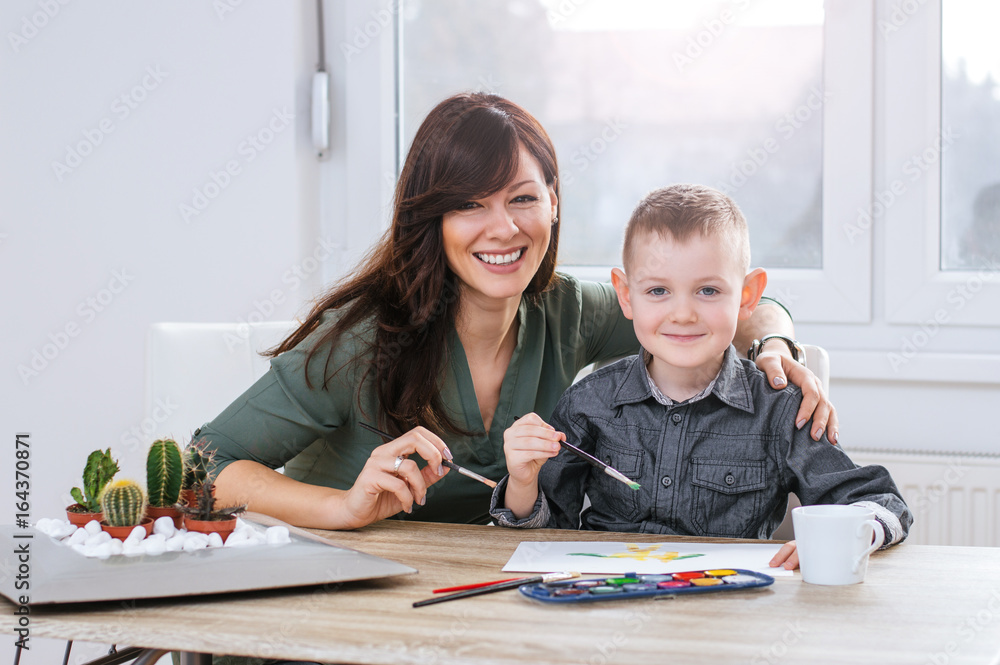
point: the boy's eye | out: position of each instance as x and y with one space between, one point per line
657 291
709 291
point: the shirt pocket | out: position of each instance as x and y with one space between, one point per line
614 496
727 495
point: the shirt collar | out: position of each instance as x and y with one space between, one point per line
730 385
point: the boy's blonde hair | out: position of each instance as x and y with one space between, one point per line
679 211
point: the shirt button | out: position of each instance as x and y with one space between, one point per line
665 481
730 479
607 460
677 418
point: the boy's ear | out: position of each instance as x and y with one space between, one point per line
620 282
753 289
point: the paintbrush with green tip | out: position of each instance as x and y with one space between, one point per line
610 470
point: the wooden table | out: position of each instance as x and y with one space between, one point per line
919 605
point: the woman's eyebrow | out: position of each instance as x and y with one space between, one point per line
518 184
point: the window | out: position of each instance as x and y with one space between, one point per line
637 94
941 165
970 168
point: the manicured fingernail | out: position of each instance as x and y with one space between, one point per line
835 437
423 500
408 511
799 424
447 453
779 381
817 435
440 469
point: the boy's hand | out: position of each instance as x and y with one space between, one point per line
526 445
787 556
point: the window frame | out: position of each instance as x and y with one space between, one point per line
917 290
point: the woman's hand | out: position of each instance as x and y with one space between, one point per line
787 556
382 489
526 445
778 363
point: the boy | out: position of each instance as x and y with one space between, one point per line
715 449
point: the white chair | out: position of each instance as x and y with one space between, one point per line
195 370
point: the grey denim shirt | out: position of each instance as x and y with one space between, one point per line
718 466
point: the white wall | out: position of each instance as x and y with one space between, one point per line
111 228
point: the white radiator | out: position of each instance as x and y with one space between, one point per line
955 499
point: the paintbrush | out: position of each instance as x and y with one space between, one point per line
448 463
499 586
610 470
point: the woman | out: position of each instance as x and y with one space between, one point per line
455 325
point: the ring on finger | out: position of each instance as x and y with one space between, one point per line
395 467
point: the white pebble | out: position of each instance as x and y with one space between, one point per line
155 544
116 546
63 529
176 543
97 539
137 534
78 537
164 526
192 545
45 525
238 538
277 535
92 527
214 540
133 548
102 551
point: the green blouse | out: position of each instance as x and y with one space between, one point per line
314 433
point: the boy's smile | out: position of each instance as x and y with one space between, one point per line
684 299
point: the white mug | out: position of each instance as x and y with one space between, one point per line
834 542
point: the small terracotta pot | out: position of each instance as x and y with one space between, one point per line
80 518
165 511
221 527
188 497
122 532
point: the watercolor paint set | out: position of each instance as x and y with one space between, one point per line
632 585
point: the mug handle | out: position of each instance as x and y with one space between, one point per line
879 539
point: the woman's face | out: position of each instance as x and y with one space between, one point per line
495 244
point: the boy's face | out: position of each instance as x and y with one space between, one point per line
685 299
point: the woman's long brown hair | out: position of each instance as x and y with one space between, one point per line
467 148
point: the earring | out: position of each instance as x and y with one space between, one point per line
555 219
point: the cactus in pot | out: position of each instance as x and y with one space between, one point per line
164 473
123 503
97 473
197 462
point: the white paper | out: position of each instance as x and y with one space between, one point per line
650 558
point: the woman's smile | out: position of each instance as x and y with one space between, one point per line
495 244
